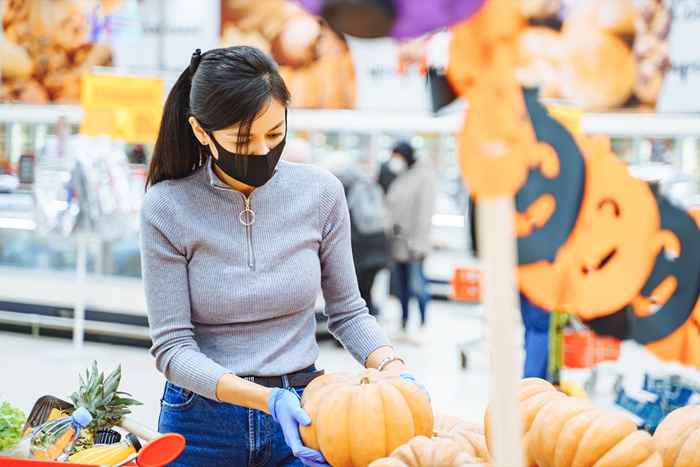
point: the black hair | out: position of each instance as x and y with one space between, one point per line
220 88
406 151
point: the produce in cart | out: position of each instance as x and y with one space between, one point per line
101 396
11 422
56 439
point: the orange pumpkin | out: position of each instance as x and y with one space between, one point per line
562 431
678 437
425 452
469 436
389 410
534 393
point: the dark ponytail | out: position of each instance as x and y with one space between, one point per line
222 88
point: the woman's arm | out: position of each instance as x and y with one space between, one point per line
235 390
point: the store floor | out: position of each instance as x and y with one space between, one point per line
32 367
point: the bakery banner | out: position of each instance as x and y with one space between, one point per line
314 60
46 46
124 107
681 85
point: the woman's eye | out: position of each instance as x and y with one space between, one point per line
274 135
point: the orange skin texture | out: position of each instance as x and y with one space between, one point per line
678 436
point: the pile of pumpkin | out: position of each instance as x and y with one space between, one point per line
383 421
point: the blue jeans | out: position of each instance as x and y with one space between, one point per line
222 435
536 322
412 283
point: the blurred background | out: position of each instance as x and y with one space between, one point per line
81 91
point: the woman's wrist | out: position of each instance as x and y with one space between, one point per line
232 389
386 359
395 367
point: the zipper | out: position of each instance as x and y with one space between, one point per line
247 218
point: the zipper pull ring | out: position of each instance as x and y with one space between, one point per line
247 217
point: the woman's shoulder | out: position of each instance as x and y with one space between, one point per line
168 194
312 175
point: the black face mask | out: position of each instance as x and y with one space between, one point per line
253 170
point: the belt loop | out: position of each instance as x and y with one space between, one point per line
285 381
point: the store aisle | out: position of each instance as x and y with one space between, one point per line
32 367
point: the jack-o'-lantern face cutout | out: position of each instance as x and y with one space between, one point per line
674 284
665 315
548 203
617 238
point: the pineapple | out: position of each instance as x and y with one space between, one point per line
101 397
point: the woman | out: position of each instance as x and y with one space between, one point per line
236 248
411 202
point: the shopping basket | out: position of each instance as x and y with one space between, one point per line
158 452
466 284
585 349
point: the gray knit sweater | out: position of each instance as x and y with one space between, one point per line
224 297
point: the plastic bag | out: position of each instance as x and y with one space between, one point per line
55 439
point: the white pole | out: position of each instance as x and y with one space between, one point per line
497 245
81 285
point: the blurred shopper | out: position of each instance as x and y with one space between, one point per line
137 155
396 164
368 222
411 203
236 247
536 323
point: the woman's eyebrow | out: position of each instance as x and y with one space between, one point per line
276 127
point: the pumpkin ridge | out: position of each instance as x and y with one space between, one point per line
687 430
582 418
618 421
688 448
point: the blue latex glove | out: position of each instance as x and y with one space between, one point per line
285 408
411 379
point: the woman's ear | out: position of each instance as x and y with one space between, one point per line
198 131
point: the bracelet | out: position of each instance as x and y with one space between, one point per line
388 360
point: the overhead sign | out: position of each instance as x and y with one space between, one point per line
124 107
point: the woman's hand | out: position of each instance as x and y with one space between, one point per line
411 379
285 408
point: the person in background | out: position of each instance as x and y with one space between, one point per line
138 155
536 323
410 203
366 204
396 164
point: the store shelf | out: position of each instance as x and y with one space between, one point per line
370 122
616 124
640 124
39 114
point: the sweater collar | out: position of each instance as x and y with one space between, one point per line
214 180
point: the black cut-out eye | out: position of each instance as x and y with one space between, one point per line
610 202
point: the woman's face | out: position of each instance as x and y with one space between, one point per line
266 132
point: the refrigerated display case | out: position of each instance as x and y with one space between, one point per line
38 286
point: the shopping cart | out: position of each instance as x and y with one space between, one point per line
466 287
157 453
